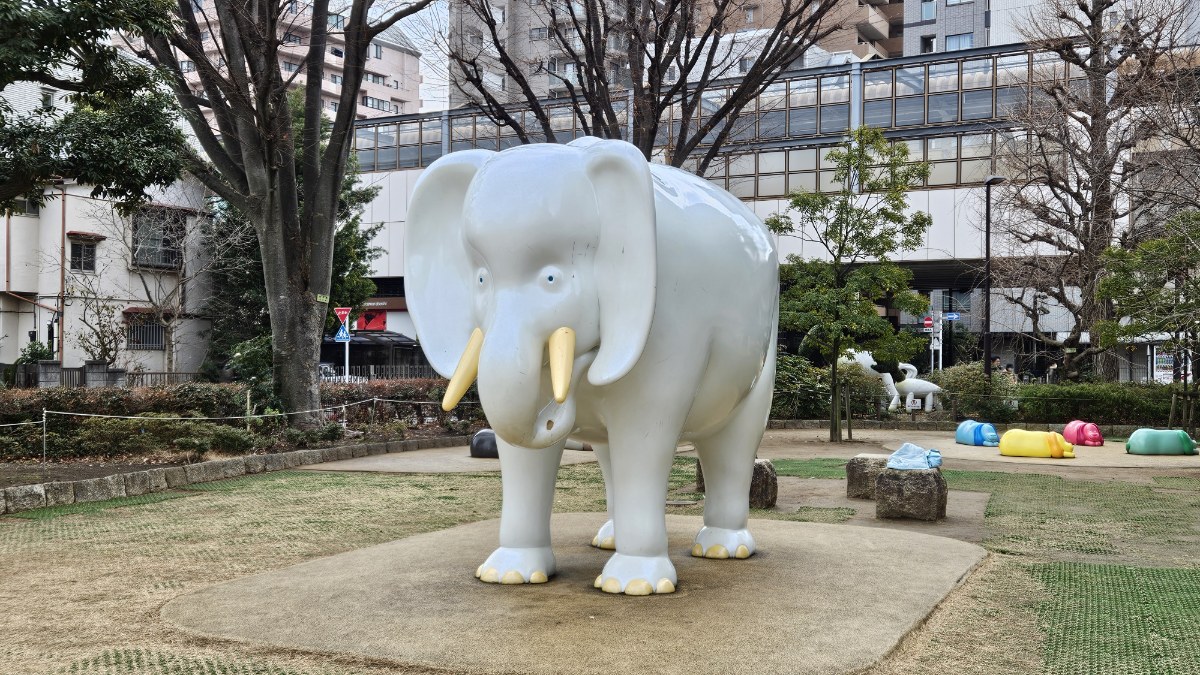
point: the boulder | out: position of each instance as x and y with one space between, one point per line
204 472
137 483
60 494
158 479
764 485
99 489
176 476
919 494
483 444
256 463
25 497
277 461
861 471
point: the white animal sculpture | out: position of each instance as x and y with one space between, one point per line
910 387
913 387
605 299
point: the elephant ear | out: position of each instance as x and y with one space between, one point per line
437 270
626 259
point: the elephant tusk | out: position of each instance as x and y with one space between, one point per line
562 357
464 372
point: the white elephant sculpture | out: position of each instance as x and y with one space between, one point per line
601 298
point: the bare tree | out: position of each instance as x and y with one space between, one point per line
1073 173
101 332
239 113
1173 157
679 74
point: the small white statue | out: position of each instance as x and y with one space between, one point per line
910 387
602 298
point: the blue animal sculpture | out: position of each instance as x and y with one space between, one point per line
971 432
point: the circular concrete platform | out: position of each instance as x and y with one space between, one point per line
815 599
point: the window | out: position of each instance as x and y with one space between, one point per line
292 7
375 79
376 51
337 51
336 22
144 333
928 44
333 105
751 13
47 99
376 103
672 74
335 78
187 67
538 33
291 39
960 41
290 66
197 5
497 13
24 207
928 10
158 237
205 35
745 64
83 256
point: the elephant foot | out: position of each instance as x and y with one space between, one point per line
721 543
637 575
517 566
605 538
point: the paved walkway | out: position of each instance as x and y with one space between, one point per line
435 460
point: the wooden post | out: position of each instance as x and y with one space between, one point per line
1171 415
849 415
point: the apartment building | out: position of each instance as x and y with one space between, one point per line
390 83
870 29
75 264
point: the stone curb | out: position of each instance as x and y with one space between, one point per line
38 495
1109 430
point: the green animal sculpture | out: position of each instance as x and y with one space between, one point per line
1160 442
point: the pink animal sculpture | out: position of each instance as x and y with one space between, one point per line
1078 432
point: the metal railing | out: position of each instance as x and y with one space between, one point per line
368 373
149 379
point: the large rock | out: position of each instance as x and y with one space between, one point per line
99 489
60 493
861 471
204 472
764 486
158 479
137 483
256 463
25 497
176 476
231 468
919 494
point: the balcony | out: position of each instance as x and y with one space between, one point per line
872 25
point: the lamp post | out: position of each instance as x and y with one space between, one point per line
987 273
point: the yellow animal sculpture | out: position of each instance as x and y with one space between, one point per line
1022 443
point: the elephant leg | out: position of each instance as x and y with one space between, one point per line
641 466
727 458
605 537
527 478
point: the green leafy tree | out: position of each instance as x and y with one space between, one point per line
118 133
1155 288
239 305
832 301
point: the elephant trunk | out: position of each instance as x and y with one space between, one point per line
525 405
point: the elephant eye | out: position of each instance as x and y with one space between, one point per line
550 278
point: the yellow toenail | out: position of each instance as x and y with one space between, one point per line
742 552
611 585
638 587
665 586
512 577
599 578
717 551
479 571
698 551
538 577
608 543
490 575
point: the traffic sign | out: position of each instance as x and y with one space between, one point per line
342 313
343 335
929 322
953 316
927 329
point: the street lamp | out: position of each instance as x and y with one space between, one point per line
987 273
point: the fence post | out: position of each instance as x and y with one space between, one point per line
372 422
1171 415
849 416
45 472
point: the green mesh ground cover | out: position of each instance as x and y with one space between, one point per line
115 662
811 468
818 514
1115 619
93 507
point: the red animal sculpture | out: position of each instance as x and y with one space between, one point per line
1078 432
